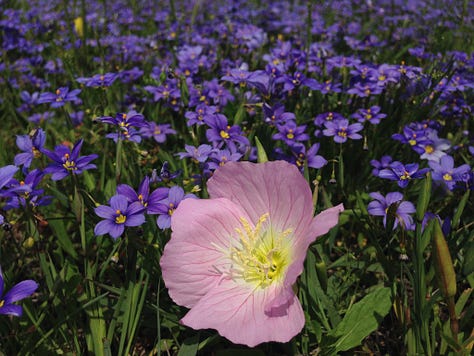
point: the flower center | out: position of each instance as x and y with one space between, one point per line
260 257
1 303
120 218
429 149
342 132
405 175
447 177
224 134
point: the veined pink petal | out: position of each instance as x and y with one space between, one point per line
320 225
202 233
277 188
237 312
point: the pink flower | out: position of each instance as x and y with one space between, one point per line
234 258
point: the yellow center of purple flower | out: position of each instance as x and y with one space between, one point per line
69 165
429 149
260 256
342 132
224 134
120 218
447 177
1 303
290 134
405 175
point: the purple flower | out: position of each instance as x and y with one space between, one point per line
157 131
67 161
59 97
99 80
142 195
341 130
202 113
168 205
402 173
118 215
165 174
414 136
320 119
301 156
198 155
125 120
221 133
23 193
379 165
394 207
372 115
31 145
290 133
276 115
218 158
17 292
446 172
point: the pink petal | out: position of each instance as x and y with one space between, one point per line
237 312
320 225
202 232
277 188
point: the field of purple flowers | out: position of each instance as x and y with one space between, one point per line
236 177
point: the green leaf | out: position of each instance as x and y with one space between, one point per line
189 347
261 154
361 319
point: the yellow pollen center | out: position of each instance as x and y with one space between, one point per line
342 133
224 134
412 142
290 134
405 175
120 218
447 177
429 149
261 255
1 303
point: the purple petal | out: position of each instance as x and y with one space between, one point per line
20 291
105 212
116 230
119 202
135 220
103 227
11 309
128 191
6 173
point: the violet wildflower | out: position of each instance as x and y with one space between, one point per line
31 145
198 155
118 215
379 165
125 120
320 119
310 156
392 206
372 115
202 113
67 161
168 205
221 133
290 133
157 131
23 193
435 147
165 174
445 171
276 115
218 158
59 97
415 137
402 173
142 195
341 130
99 80
18 292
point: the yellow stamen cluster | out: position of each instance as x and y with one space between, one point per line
120 218
261 255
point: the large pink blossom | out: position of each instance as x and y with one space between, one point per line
234 258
